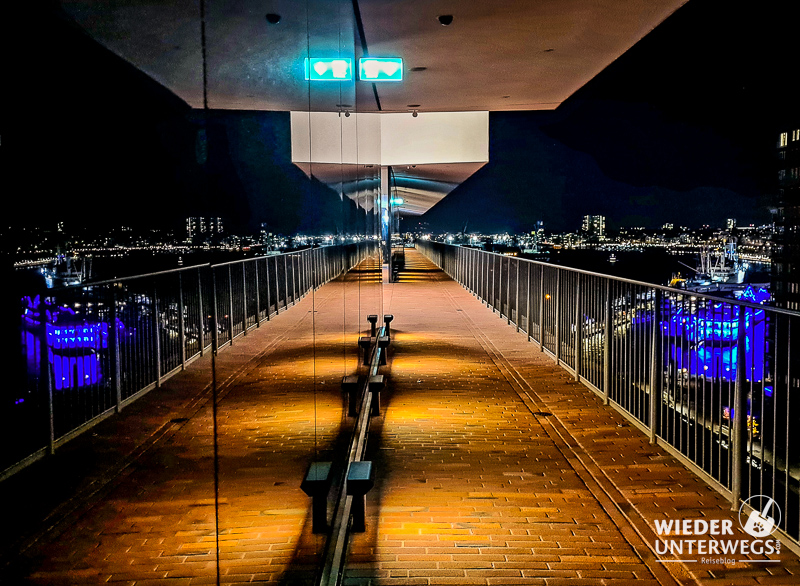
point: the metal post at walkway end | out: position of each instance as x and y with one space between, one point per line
578 329
558 316
655 367
608 336
113 335
739 417
45 373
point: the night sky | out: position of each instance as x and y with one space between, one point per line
682 128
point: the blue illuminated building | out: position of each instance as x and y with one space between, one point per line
704 341
74 343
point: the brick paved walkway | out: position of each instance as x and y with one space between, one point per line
146 516
494 467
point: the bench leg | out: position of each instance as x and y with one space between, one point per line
376 403
319 513
359 512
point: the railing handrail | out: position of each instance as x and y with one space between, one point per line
119 279
715 298
259 257
189 268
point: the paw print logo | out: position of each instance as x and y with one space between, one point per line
761 517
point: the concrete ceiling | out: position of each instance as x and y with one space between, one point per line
510 55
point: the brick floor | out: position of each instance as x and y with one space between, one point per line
147 516
494 466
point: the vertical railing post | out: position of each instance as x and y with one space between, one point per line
277 290
516 296
656 374
157 334
541 309
578 328
214 316
739 416
244 297
303 274
181 322
295 280
495 274
201 323
528 312
608 337
258 296
285 282
471 270
487 286
482 276
558 315
45 376
508 291
230 306
113 342
314 271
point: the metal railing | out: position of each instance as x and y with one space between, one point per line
89 350
723 371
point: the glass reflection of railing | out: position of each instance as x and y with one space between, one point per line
709 378
89 350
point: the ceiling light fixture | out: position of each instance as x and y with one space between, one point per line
445 19
273 18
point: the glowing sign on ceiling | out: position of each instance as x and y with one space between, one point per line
380 69
328 69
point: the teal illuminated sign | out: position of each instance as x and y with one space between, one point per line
396 201
380 69
328 69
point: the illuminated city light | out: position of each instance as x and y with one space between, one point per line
328 69
380 69
713 333
73 344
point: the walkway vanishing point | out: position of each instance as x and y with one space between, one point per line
493 466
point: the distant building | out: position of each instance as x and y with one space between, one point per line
201 228
730 223
786 251
594 226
